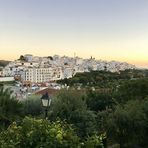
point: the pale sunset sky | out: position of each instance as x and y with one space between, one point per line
104 29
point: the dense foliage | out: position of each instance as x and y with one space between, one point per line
128 124
10 108
81 118
71 106
103 79
32 106
22 58
33 133
3 63
132 89
39 133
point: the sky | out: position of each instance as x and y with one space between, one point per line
104 29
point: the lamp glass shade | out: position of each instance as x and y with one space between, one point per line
45 102
49 102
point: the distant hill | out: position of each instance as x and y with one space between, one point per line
3 63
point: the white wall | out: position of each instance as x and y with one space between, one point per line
5 79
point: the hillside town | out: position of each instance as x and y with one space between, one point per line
34 69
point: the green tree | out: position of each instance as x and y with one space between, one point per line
133 89
10 108
71 106
22 58
127 124
99 101
33 133
32 106
94 141
144 142
3 63
66 102
37 133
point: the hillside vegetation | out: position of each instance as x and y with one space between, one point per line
3 63
103 79
81 119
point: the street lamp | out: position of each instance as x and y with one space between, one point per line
46 101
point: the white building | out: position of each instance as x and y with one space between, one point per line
6 79
45 69
68 72
1 73
38 75
28 57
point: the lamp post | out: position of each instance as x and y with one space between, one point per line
46 101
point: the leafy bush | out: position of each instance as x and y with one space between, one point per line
131 90
99 101
32 106
71 106
10 108
33 133
128 124
94 141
